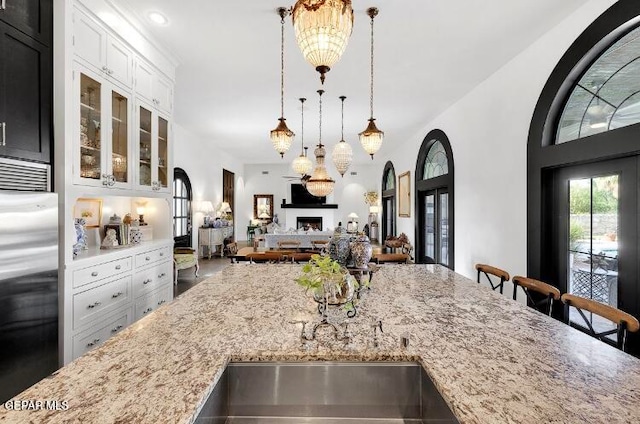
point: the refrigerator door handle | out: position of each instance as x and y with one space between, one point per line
4 124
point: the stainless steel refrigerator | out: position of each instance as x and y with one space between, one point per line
28 289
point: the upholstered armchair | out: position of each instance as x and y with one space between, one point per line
184 258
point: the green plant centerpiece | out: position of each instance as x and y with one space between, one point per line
330 282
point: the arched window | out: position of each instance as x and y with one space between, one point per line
182 197
388 201
583 170
434 200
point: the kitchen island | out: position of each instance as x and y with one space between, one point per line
493 360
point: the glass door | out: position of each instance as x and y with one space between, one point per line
119 137
144 146
388 216
434 225
163 140
90 128
597 237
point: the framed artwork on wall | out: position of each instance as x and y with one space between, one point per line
90 210
404 195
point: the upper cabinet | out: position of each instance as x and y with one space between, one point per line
102 51
154 138
153 87
32 17
25 89
102 148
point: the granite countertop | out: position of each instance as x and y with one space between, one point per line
494 360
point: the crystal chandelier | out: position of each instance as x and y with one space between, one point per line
323 28
342 154
371 138
320 184
302 164
282 136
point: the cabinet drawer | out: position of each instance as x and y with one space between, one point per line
91 304
95 273
149 303
150 279
152 256
83 342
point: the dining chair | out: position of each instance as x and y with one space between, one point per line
529 286
625 323
288 244
489 270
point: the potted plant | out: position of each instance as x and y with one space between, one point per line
328 280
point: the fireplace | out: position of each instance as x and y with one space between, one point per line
309 222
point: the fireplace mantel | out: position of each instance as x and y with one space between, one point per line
304 206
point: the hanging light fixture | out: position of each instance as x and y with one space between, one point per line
320 184
342 153
323 28
282 136
302 164
371 138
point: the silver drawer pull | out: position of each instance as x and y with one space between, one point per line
161 253
118 266
149 309
161 275
147 258
161 302
93 343
117 295
105 69
115 330
94 274
147 281
3 5
3 126
94 304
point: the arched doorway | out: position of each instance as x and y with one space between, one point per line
434 200
583 170
388 201
182 198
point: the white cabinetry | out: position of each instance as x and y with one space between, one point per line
101 50
152 87
154 141
117 290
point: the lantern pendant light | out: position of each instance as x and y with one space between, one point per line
371 138
282 136
322 28
342 152
302 164
320 184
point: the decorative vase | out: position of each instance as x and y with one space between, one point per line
339 248
135 235
337 294
81 236
361 251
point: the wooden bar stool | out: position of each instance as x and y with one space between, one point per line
529 285
269 256
496 272
288 244
625 322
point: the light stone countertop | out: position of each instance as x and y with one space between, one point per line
494 360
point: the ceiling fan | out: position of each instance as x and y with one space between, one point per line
303 179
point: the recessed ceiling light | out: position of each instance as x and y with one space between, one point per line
158 18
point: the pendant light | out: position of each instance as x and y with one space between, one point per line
302 164
323 28
320 184
282 136
342 154
371 138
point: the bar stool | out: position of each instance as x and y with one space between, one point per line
269 256
496 272
625 323
529 285
288 244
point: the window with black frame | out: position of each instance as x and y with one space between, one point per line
181 208
388 201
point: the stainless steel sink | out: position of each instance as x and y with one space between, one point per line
327 392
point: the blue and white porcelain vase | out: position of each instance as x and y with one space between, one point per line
361 251
339 246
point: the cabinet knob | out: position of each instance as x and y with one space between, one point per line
147 281
146 311
161 302
110 71
161 254
117 295
147 258
94 274
161 275
93 343
115 330
105 69
94 304
118 266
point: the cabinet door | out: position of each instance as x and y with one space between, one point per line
145 149
25 96
162 182
32 17
90 154
144 80
119 160
119 62
89 40
163 94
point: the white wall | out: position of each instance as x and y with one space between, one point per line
488 130
348 193
204 163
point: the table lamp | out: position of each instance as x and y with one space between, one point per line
140 209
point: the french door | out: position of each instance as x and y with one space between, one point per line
388 216
433 224
596 238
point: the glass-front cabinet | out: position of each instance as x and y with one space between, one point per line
153 149
102 152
